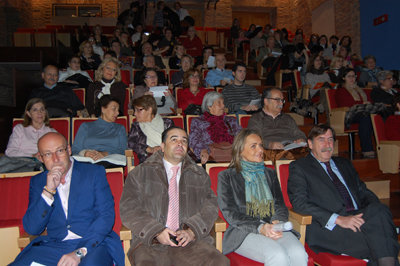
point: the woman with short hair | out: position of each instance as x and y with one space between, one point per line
145 135
213 126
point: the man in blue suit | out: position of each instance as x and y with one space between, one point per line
73 202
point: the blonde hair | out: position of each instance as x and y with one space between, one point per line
99 71
82 45
238 147
334 60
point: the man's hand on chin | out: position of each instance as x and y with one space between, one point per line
69 259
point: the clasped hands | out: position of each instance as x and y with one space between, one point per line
267 230
353 222
183 237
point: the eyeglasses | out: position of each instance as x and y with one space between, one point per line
351 76
278 100
59 152
194 76
137 110
389 78
111 68
38 110
151 77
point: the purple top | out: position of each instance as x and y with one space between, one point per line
199 138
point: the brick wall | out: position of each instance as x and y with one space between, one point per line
291 14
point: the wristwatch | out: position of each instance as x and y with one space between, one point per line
79 254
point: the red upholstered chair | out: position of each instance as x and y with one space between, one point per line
322 258
189 119
115 178
80 92
127 100
61 124
14 199
91 73
336 119
213 170
171 73
244 120
388 150
126 76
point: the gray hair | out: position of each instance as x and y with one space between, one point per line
146 57
209 100
383 74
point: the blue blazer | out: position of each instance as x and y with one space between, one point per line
90 211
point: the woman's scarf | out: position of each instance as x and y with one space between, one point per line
106 90
217 130
356 92
153 130
259 199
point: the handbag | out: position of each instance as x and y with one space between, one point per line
221 152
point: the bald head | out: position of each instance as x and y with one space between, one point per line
50 75
55 151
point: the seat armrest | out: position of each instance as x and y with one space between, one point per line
336 118
220 225
26 238
125 233
300 222
217 231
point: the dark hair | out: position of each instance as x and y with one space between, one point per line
115 41
311 68
316 49
134 4
187 74
334 37
72 57
299 47
106 99
285 33
267 93
344 73
319 41
110 52
234 68
320 129
341 41
207 48
165 133
28 107
367 57
146 101
159 3
145 71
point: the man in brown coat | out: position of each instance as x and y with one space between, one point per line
168 204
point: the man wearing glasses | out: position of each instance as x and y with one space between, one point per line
276 128
73 202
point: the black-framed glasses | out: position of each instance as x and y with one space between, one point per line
278 100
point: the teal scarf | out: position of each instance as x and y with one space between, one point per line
259 199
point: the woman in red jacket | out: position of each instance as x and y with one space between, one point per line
193 92
348 95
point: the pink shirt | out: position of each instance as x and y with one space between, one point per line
23 140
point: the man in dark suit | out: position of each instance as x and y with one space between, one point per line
73 202
346 216
60 99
